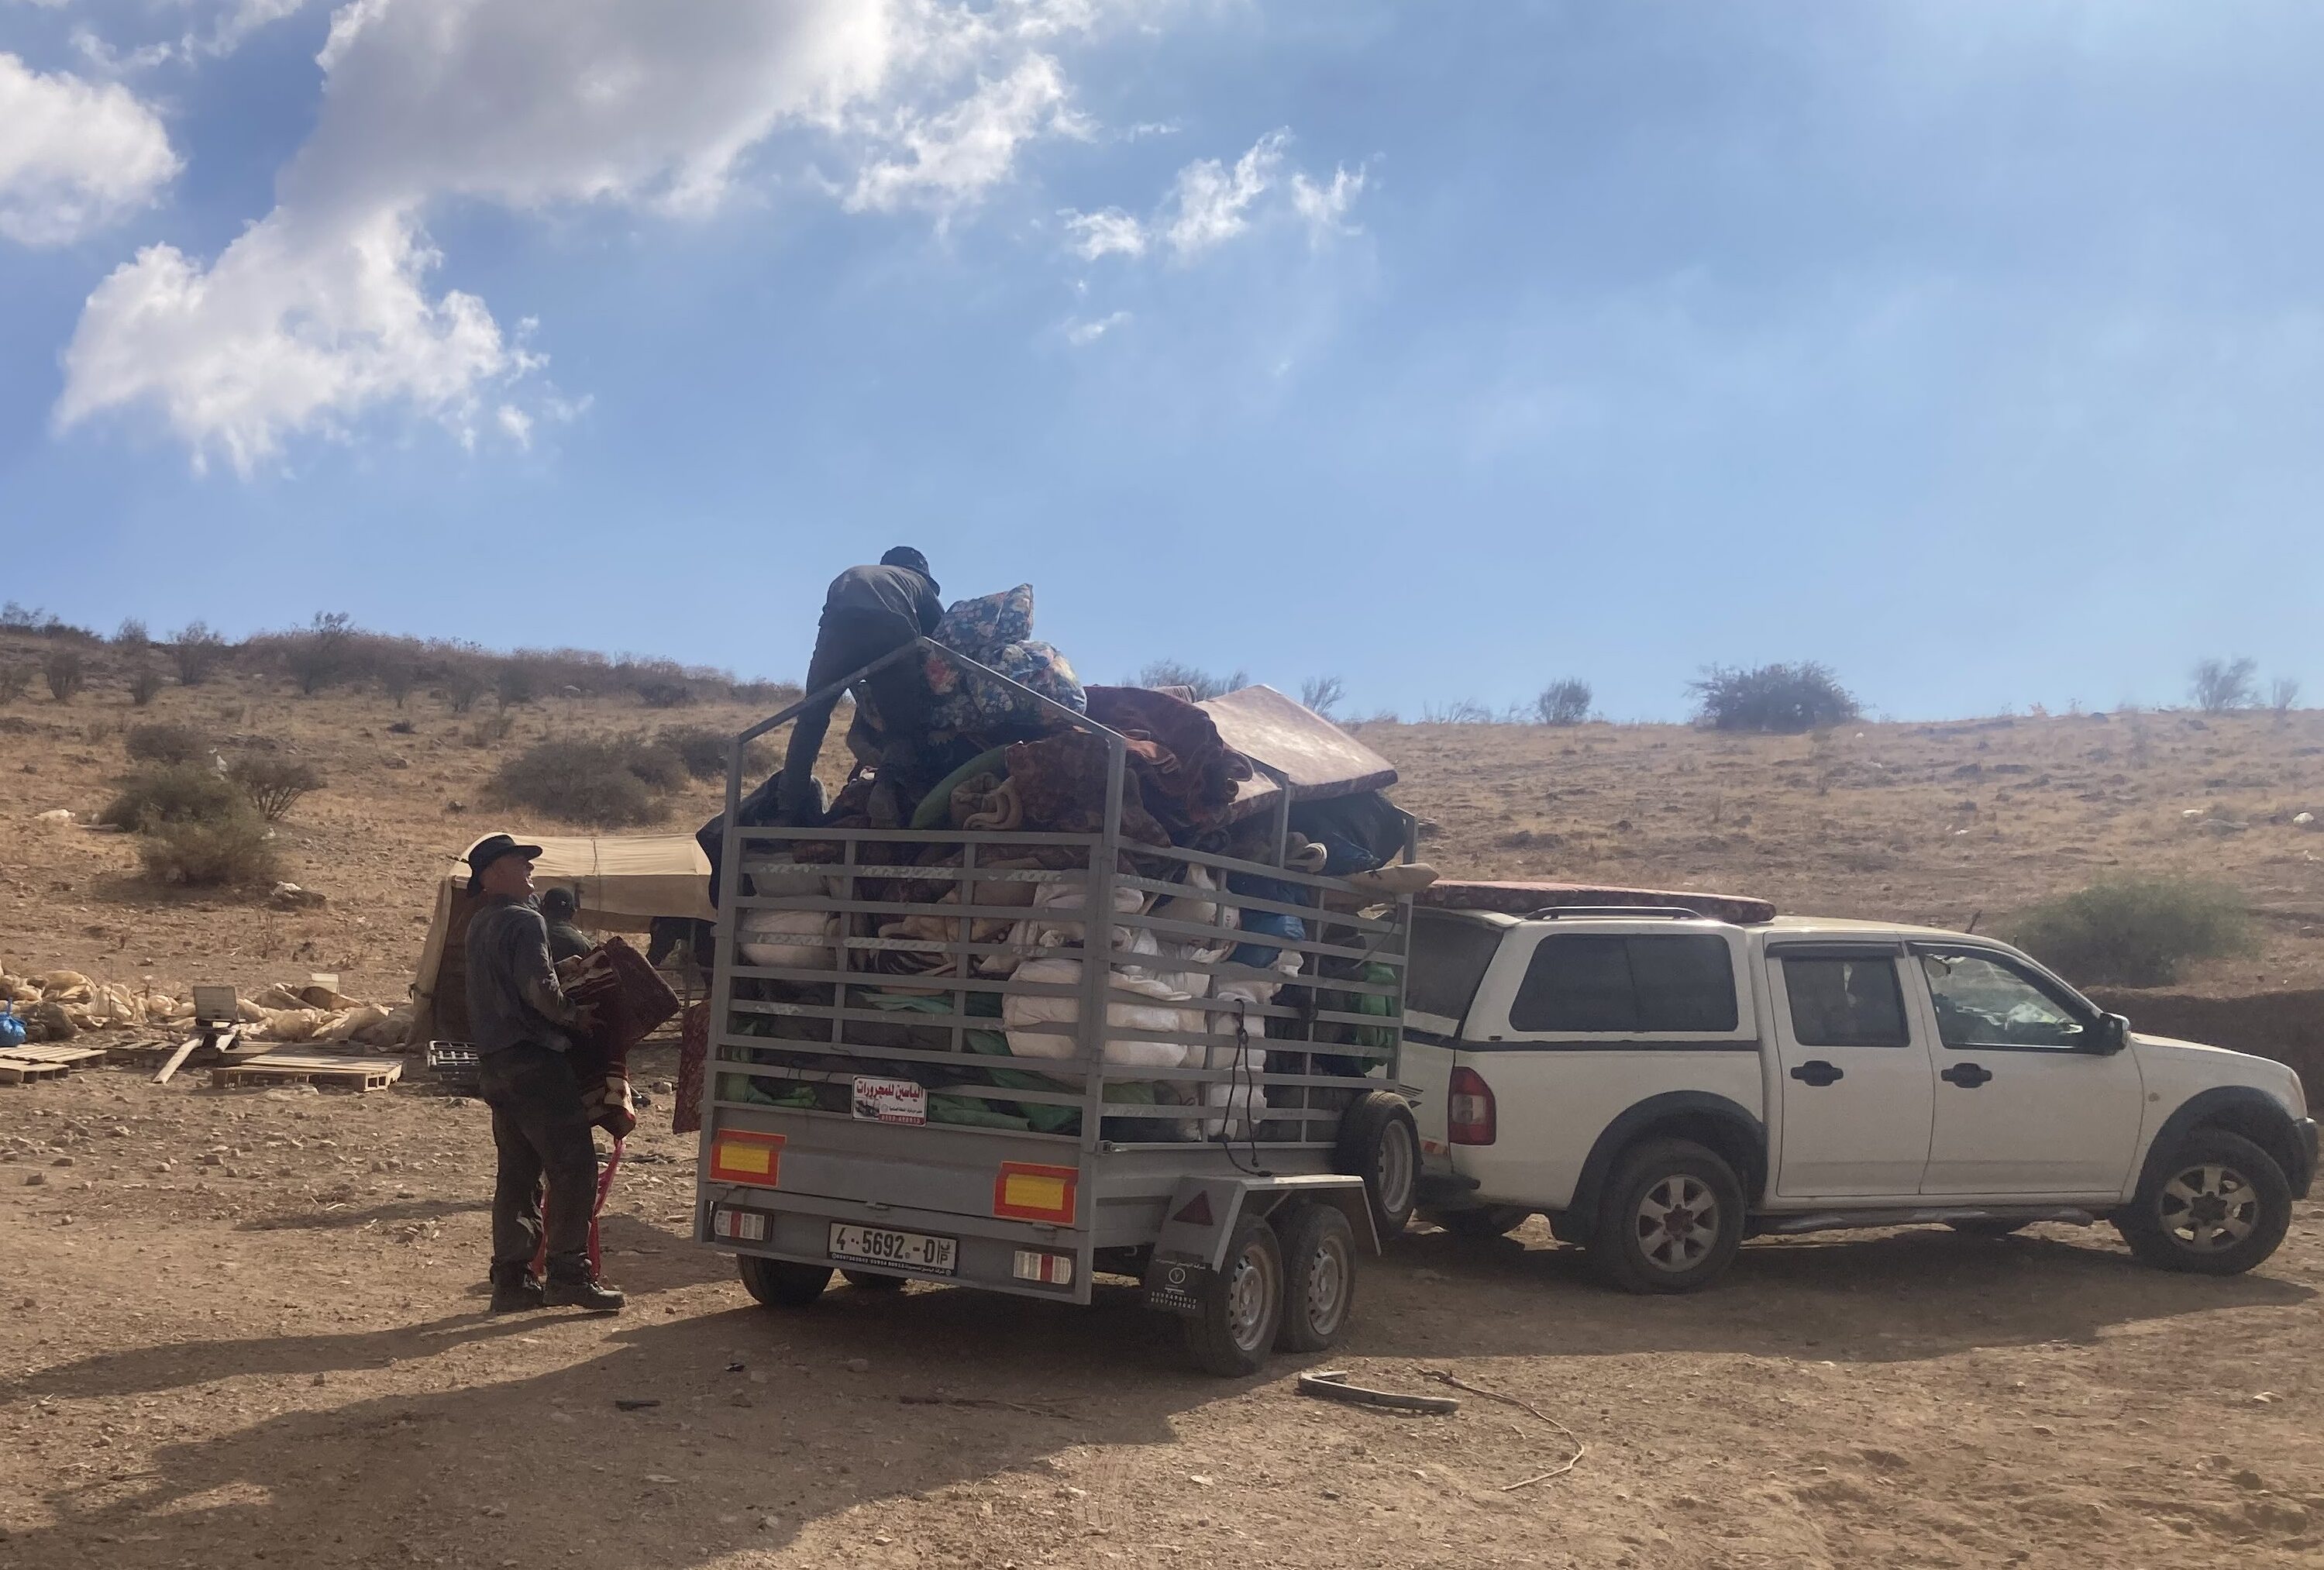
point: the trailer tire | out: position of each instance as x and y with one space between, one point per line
780 1283
1319 1276
1241 1304
872 1281
1380 1144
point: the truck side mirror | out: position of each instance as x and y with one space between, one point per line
2114 1033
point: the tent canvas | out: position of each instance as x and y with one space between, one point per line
622 883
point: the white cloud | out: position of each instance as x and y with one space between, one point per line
1105 234
1208 204
321 312
1326 207
1081 334
75 155
953 156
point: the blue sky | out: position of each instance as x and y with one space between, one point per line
1974 347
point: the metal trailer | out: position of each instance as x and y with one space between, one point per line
894 1155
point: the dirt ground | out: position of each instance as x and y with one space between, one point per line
247 1326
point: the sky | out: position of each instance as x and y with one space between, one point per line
1972 347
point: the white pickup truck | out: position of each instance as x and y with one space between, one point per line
1663 1086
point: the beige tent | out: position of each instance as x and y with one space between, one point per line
621 884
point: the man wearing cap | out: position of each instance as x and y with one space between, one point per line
524 1026
868 611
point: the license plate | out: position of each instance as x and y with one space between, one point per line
891 1101
906 1250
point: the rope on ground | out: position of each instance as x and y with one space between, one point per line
1445 1376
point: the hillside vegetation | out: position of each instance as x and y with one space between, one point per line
1937 823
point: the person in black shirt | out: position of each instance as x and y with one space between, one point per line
868 611
566 940
524 1027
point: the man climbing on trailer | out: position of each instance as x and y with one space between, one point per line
868 611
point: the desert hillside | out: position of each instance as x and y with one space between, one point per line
1939 822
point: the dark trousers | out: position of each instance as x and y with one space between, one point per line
848 641
540 1130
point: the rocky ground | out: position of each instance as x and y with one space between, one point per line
247 1326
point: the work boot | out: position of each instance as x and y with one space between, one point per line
581 1291
514 1290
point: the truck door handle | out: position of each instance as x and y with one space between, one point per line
1967 1076
1817 1072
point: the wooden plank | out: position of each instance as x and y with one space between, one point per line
64 1057
19 1071
310 1067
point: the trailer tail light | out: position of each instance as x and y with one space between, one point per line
1048 1270
1473 1117
757 1160
1022 1191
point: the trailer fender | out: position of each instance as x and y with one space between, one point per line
1202 1211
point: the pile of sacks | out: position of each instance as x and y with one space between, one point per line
61 1004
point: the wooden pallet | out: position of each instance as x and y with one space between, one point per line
310 1068
21 1064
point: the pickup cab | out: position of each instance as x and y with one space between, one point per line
1663 1083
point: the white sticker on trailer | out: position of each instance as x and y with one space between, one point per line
889 1101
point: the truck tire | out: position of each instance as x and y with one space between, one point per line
1669 1219
1380 1144
1241 1304
872 1281
780 1283
2217 1205
1319 1276
1480 1221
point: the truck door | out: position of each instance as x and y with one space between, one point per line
1853 1070
2030 1100
1450 953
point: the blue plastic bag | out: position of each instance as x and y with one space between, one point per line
12 1029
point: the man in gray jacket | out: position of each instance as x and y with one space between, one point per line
867 612
524 1026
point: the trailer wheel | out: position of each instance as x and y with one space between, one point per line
1319 1277
780 1283
1241 1304
873 1281
1380 1144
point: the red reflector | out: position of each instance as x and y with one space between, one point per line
1471 1117
1023 1191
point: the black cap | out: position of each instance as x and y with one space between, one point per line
558 902
905 556
490 849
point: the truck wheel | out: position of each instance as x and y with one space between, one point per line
873 1281
780 1283
1669 1219
1241 1304
1319 1277
1380 1144
1482 1221
2218 1205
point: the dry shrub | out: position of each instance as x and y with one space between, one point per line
463 683
492 729
163 743
16 680
232 851
198 652
67 673
1783 699
772 695
166 793
144 684
1204 683
2136 932
599 782
1562 703
275 785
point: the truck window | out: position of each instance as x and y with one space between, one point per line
1449 957
1645 985
1983 1002
1845 1002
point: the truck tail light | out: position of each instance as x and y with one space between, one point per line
1470 1112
